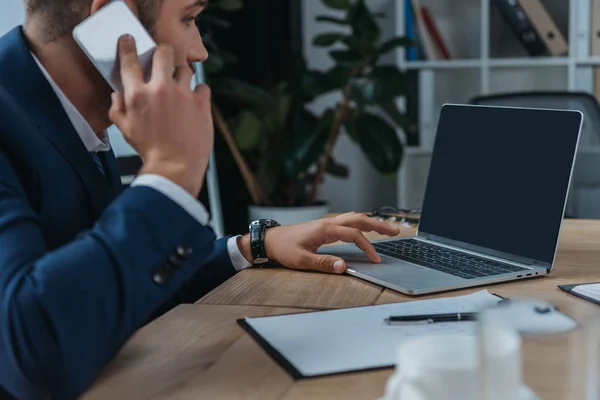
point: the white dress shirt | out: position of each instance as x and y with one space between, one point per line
100 142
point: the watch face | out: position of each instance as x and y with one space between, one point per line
266 222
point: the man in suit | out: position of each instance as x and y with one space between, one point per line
83 264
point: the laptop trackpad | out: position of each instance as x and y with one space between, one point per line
391 270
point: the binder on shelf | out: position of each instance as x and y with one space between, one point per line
553 39
434 33
409 25
595 43
426 41
519 23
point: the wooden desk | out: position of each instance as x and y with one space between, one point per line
578 260
198 351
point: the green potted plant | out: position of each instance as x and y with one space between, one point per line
283 149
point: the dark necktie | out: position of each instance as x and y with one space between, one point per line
99 163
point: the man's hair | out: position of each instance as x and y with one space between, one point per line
60 17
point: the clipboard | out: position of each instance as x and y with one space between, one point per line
569 289
291 339
271 351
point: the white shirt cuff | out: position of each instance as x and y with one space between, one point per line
195 208
237 259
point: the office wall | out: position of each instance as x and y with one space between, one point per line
11 14
365 188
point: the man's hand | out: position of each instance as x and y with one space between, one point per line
295 246
169 125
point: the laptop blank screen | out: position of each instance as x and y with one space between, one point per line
499 177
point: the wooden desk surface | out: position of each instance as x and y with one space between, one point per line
577 260
198 351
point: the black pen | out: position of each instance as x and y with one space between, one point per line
429 319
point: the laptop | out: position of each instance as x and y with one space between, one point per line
493 207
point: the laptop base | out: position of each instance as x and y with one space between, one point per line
412 279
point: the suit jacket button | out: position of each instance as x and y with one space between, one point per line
158 278
184 251
175 261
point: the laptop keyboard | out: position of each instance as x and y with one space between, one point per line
443 259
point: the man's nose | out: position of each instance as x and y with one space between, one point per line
198 52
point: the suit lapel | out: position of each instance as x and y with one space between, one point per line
22 77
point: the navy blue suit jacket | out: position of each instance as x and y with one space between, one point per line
83 264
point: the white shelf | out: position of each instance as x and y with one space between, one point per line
410 151
537 62
529 62
588 61
444 64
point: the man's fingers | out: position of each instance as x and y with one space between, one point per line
183 75
202 93
117 110
325 263
162 64
352 235
366 224
131 71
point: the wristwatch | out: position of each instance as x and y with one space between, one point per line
257 239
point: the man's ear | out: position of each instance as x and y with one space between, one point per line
98 4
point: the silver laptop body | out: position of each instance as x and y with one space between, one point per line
561 131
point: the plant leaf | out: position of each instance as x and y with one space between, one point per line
305 124
363 23
384 83
393 43
277 115
312 84
268 175
309 146
346 57
327 39
337 77
316 83
335 169
242 92
337 4
379 142
400 119
247 131
333 20
390 80
283 107
360 46
364 91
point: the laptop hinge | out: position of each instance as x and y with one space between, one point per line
482 251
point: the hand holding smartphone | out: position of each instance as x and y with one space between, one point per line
98 37
169 125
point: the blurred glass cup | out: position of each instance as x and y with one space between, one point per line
446 367
559 346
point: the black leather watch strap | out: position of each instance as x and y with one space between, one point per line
257 239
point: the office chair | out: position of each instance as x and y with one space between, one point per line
584 172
